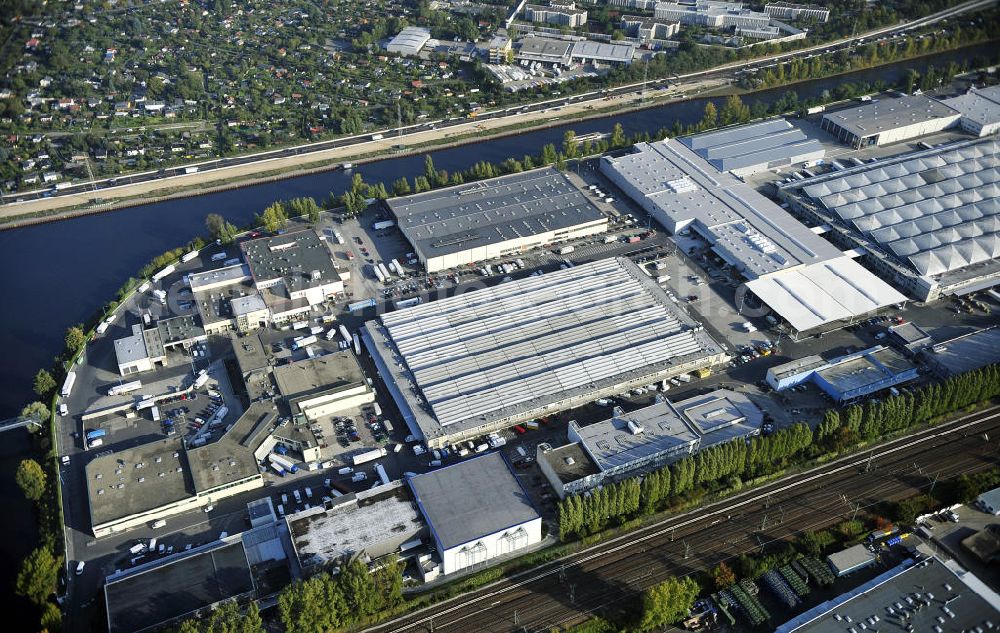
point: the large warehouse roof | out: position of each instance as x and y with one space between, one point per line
879 116
937 209
409 41
472 499
495 353
604 51
800 275
519 205
969 351
771 143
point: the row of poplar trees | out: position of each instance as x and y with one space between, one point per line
580 515
739 460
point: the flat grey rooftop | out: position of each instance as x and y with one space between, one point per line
144 599
729 413
132 348
916 597
604 51
309 376
613 444
301 259
545 47
796 366
965 353
490 354
865 369
909 333
247 304
687 425
472 499
178 329
888 114
113 479
353 525
456 219
223 462
570 462
218 276
979 105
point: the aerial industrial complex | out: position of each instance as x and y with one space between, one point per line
480 362
549 333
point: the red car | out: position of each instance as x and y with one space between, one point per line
254 234
520 429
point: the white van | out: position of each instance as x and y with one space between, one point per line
79 568
158 524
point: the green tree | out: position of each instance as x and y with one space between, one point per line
220 229
36 580
75 339
618 136
44 383
667 602
359 588
711 117
401 187
571 147
51 617
30 479
315 605
36 410
549 154
430 173
389 581
273 218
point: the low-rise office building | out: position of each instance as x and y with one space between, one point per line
980 110
711 13
292 272
545 50
647 29
614 53
145 483
502 216
323 386
848 377
498 49
477 511
146 348
629 444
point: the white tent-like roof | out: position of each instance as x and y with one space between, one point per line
834 290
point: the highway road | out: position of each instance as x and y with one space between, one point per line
567 590
381 138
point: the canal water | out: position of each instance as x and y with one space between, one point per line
57 274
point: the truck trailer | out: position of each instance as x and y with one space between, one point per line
368 456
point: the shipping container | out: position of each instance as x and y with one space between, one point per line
284 462
189 256
566 250
304 342
384 224
218 257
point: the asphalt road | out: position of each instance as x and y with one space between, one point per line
568 590
95 186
